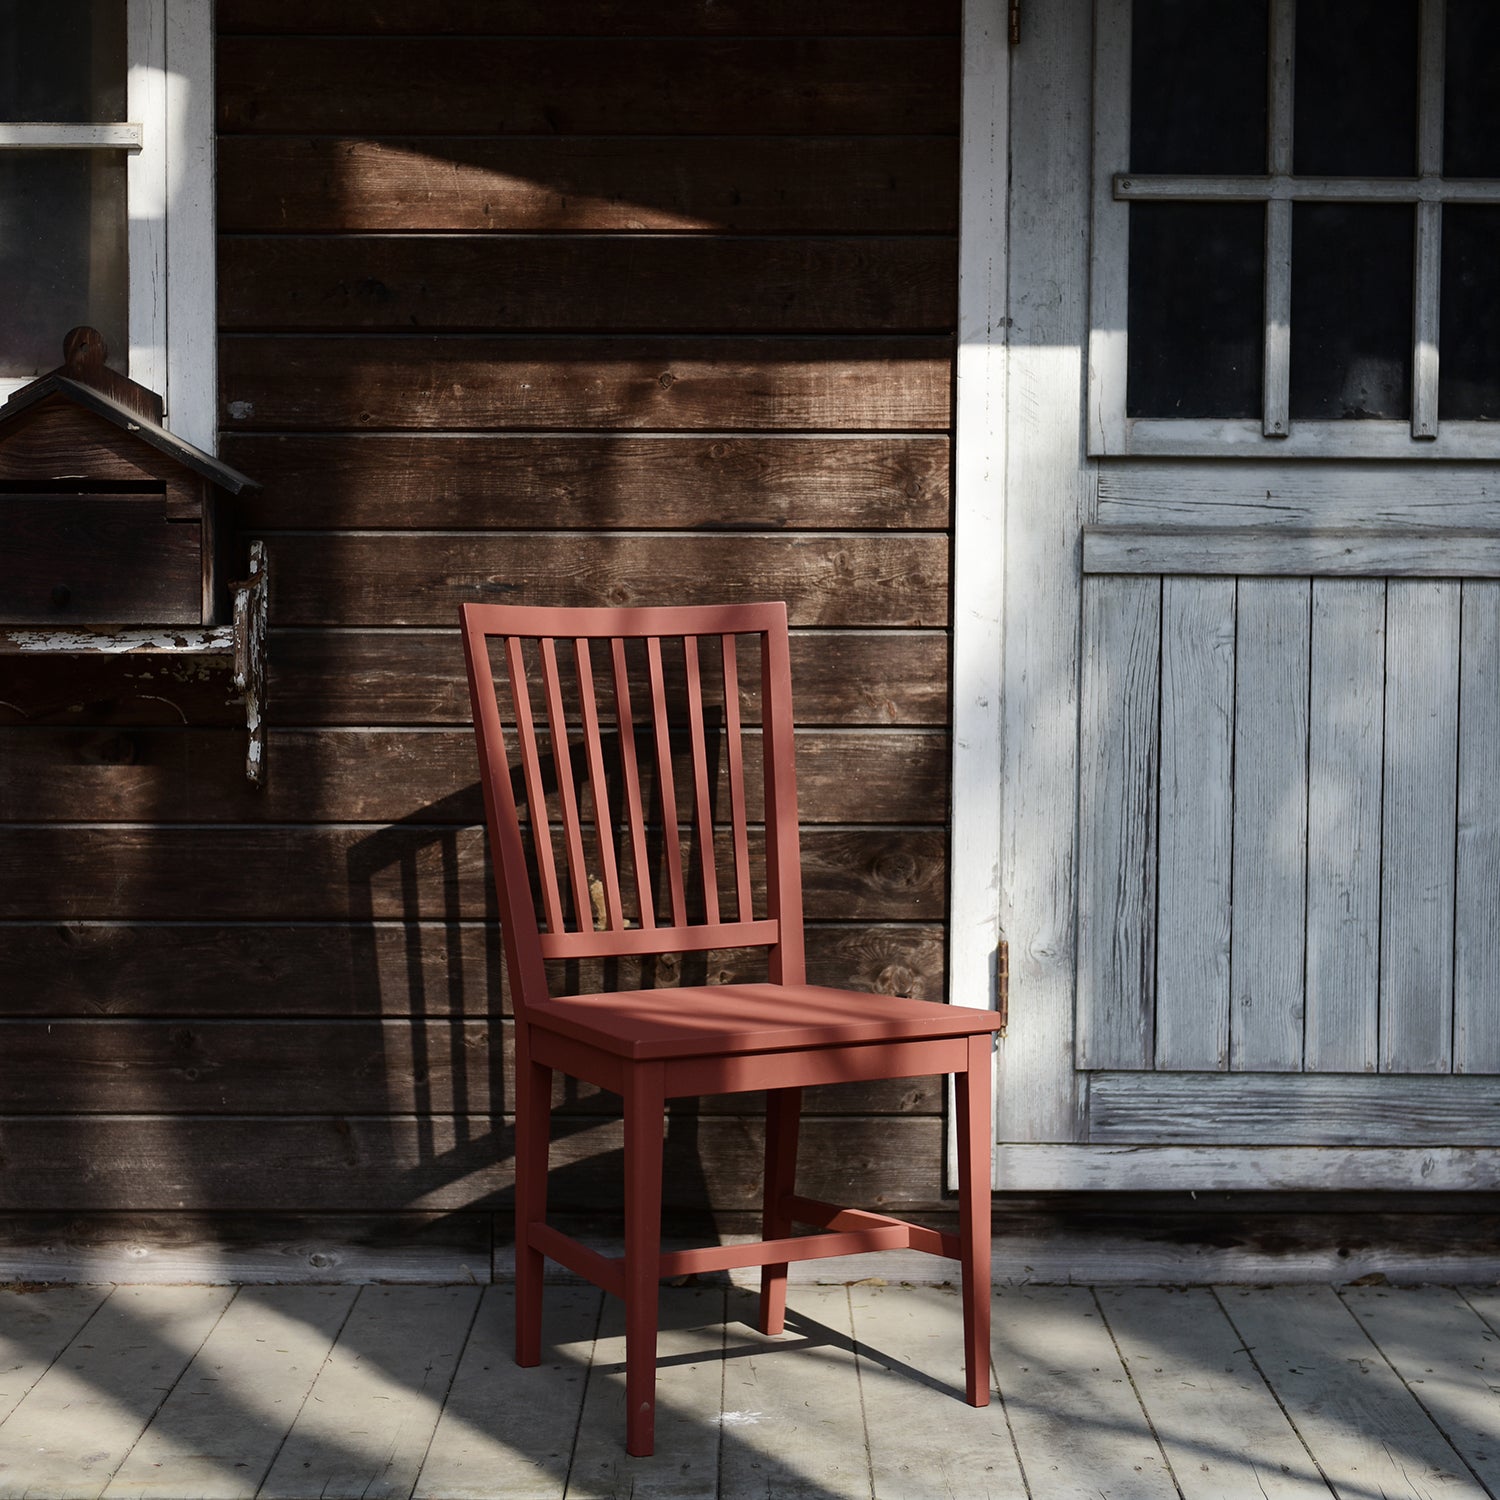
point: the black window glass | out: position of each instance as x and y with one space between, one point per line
1198 86
62 255
1196 300
1355 111
1469 337
1471 126
62 62
1351 310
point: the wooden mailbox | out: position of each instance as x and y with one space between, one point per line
116 535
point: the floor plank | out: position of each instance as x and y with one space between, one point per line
219 1431
926 1441
1214 1416
1369 1436
1449 1359
689 1399
793 1427
508 1432
76 1425
366 1425
35 1327
1078 1426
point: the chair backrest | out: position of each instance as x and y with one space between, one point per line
625 856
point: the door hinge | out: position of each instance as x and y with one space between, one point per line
1002 984
1015 23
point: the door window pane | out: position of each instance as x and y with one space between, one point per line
1469 370
1355 112
1471 127
63 61
1351 310
1198 86
1196 300
62 255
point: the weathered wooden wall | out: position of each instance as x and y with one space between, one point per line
557 304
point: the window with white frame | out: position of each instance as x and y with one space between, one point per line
106 201
1296 229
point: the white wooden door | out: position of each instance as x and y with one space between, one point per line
1250 670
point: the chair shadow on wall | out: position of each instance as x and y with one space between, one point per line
426 956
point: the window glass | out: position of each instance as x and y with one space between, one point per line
1471 127
1355 112
1196 310
1198 86
1351 310
62 62
1469 372
62 255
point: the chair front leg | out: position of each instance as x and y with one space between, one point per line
645 1105
533 1131
783 1116
972 1097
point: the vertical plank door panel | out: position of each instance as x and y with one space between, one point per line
1197 800
1270 825
1343 825
1476 930
1117 831
1421 793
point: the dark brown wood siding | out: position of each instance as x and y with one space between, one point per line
648 302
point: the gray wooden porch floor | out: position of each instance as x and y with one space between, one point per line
208 1391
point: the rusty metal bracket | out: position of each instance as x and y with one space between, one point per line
250 678
1015 23
1002 984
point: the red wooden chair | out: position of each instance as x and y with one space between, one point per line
650 1045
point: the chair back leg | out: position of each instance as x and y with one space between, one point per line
783 1116
972 1098
533 1129
645 1108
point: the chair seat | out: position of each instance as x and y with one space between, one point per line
644 1025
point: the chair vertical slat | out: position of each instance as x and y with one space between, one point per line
665 784
702 802
741 834
603 822
783 867
562 762
630 773
536 796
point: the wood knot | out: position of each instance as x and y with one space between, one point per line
84 350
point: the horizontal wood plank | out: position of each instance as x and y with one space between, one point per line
678 284
366 1067
845 579
502 482
360 1164
384 968
669 384
588 85
1294 1109
355 776
1279 551
374 677
1386 496
749 185
406 872
598 18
